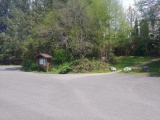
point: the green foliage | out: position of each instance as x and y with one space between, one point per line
64 68
61 56
29 65
113 59
79 66
154 67
149 25
54 69
109 25
61 69
128 61
78 27
1 58
86 65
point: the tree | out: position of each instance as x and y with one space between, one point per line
75 22
16 30
82 27
149 11
4 5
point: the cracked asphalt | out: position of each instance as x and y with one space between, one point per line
111 96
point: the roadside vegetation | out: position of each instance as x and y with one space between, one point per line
154 68
129 61
78 33
80 66
97 66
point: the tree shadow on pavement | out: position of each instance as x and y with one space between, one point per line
14 68
154 75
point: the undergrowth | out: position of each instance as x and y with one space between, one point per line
79 66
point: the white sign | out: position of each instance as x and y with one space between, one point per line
42 61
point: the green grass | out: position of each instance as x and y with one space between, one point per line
81 66
154 68
100 71
123 61
128 61
134 60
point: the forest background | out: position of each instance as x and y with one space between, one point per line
76 29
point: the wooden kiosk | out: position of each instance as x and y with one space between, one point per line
43 60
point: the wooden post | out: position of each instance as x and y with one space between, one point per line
47 66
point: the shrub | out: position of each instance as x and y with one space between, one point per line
64 68
85 65
113 59
29 65
61 56
53 69
80 66
97 65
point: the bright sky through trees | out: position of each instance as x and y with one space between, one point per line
127 2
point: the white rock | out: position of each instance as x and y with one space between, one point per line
112 68
127 69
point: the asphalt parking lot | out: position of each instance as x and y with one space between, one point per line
111 96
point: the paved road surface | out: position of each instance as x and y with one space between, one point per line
31 96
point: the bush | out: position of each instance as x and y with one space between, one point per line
78 66
64 68
61 56
97 65
29 65
1 58
113 59
85 65
53 69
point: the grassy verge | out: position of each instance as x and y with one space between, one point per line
81 66
154 68
128 61
96 66
133 60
